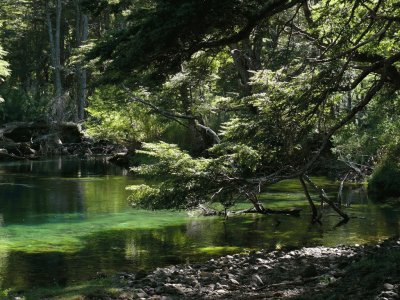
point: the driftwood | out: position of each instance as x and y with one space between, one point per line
324 198
206 211
315 215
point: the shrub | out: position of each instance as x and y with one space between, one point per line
385 180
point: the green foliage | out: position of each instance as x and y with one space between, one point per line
112 116
385 180
274 79
292 98
160 34
20 105
4 65
4 69
372 135
184 178
24 35
188 182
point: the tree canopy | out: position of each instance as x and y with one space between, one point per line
240 94
306 70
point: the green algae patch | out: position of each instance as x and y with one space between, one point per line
70 233
94 289
219 249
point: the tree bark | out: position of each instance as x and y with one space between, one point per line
55 50
252 210
310 201
325 198
82 34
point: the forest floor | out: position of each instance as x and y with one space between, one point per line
344 272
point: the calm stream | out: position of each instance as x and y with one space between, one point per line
66 221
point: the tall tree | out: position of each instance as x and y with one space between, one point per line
55 50
82 34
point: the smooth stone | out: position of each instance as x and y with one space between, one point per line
388 286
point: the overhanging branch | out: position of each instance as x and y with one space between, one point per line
270 9
177 117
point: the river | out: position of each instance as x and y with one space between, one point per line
64 221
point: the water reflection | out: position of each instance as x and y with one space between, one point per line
33 192
62 222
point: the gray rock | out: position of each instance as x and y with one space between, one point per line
256 279
127 296
219 286
178 289
142 295
389 294
195 283
388 286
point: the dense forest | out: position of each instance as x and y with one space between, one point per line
252 93
211 101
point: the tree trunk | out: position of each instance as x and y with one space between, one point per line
310 201
241 64
57 41
325 198
199 140
82 34
55 50
247 58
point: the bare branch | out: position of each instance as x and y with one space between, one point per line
325 198
173 115
374 37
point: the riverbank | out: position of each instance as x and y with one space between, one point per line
344 272
36 140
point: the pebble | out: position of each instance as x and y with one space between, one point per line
388 295
257 279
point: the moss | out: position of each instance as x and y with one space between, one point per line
218 249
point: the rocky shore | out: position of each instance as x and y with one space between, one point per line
34 140
344 272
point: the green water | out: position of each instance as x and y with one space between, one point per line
67 221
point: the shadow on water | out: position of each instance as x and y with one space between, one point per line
63 222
